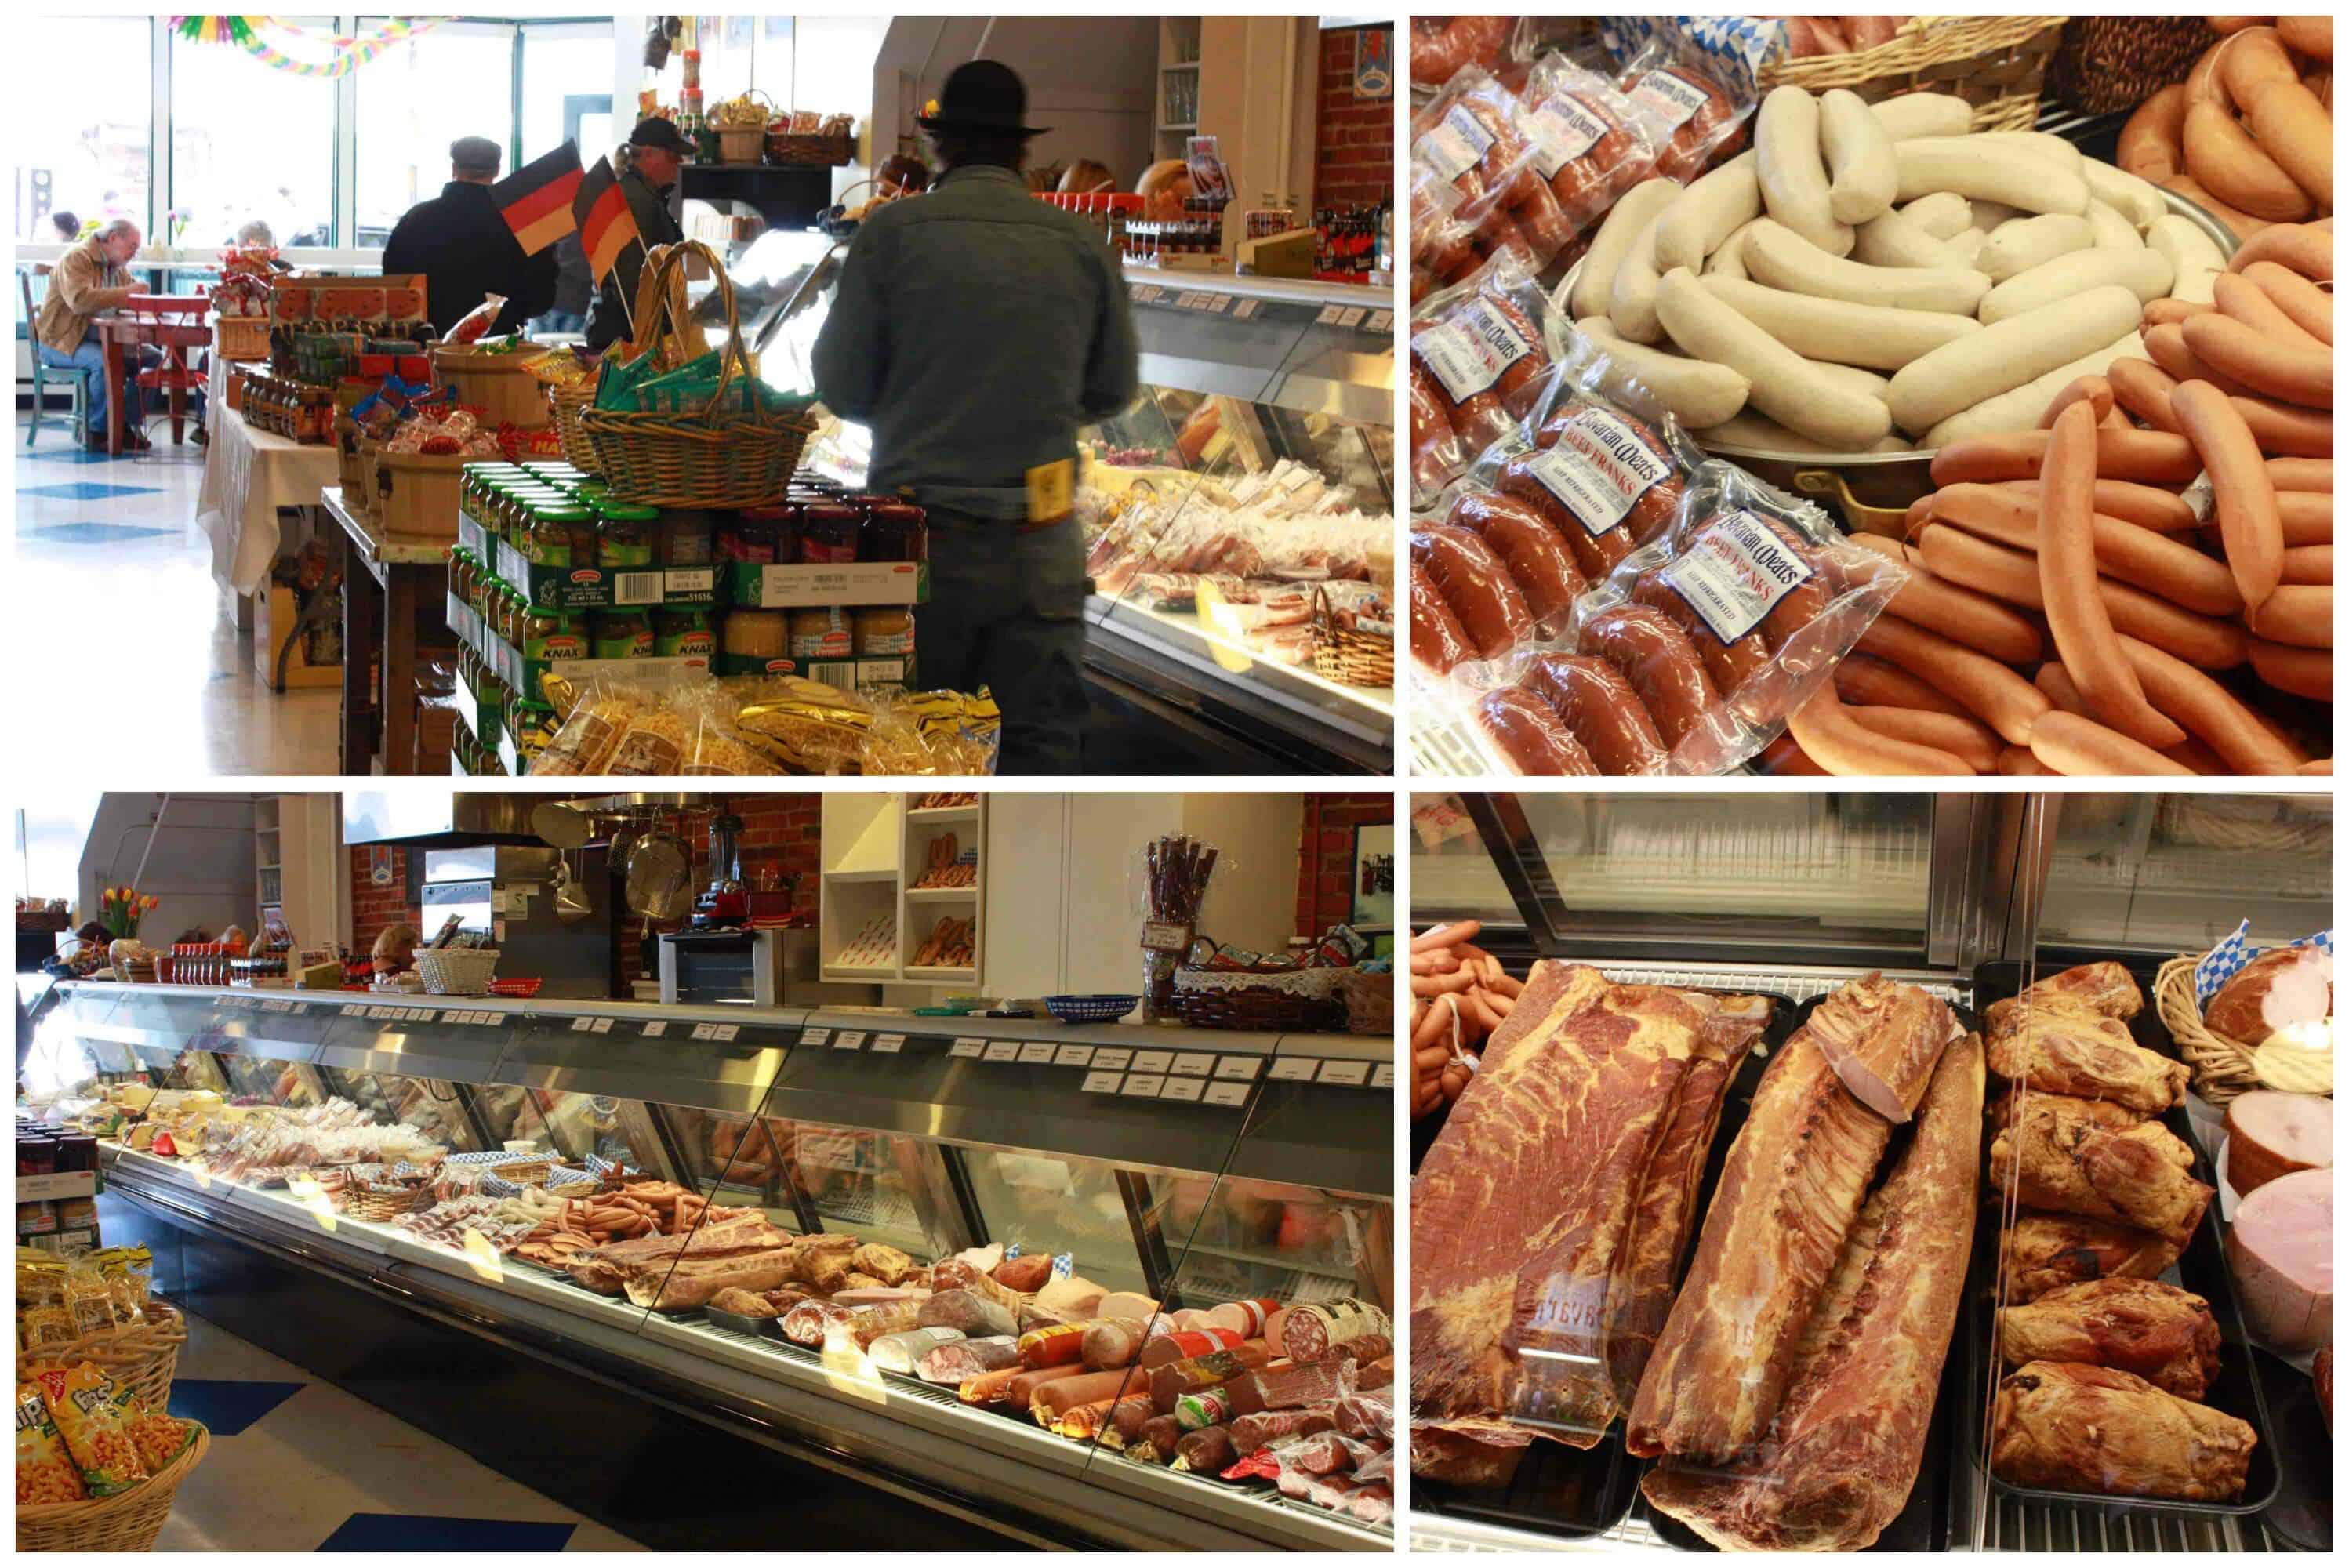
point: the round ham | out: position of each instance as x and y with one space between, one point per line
2283 985
2271 1135
2280 1250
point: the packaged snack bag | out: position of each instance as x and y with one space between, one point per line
44 1473
92 1410
160 1438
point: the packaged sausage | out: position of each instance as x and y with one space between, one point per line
1204 1407
969 1311
811 1322
1062 1345
1169 1381
867 1324
1290 1385
1130 1304
1483 344
1591 143
1441 46
1127 1417
1098 1417
1112 1342
1472 134
1435 447
1020 1393
1443 243
1377 1374
1181 1344
1055 1396
1209 1449
1246 1319
953 1361
1314 1329
1475 586
903 1351
1687 115
1250 1433
1159 1439
1364 1350
990 1387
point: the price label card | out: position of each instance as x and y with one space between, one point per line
1294 1069
1166 936
1330 315
604 1027
815 1037
1241 1068
1226 1093
1352 316
1101 1083
1003 1050
1113 1056
705 1031
1381 320
581 1025
1183 1089
1152 1061
1145 1086
1147 294
656 1028
1072 1057
1382 1076
355 1010
888 1045
1200 1063
1350 1073
967 1047
848 1040
1218 304
1036 1051
1245 309
277 1006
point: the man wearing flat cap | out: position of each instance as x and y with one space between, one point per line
648 163
460 243
975 331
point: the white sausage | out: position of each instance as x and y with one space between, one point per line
1944 214
1786 386
1783 259
1861 172
1729 261
2027 243
1708 213
1913 115
1696 392
1633 214
1750 429
1631 300
2114 231
1792 174
2142 272
2020 410
1961 250
1840 331
1896 240
1975 165
2043 143
1991 216
2193 256
2004 356
2130 195
1867 382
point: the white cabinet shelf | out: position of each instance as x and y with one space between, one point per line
875 847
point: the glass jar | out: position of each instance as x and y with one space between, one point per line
758 536
457 556
822 631
682 631
512 607
548 543
623 633
625 536
894 530
763 635
883 631
828 531
688 538
549 637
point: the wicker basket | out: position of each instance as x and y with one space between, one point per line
1369 1001
2107 64
787 148
564 405
1347 655
1296 999
742 146
127 1521
416 492
523 1170
241 336
143 1356
500 384
1995 62
457 971
678 460
2222 1067
382 1203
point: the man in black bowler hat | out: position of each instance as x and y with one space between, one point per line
974 331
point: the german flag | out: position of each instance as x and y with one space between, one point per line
606 227
536 198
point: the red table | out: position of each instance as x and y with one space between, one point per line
161 321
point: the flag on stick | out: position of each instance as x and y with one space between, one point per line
606 227
536 198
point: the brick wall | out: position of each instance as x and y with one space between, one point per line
1353 160
1325 859
374 908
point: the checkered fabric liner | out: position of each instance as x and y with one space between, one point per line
2224 962
1064 1264
1732 49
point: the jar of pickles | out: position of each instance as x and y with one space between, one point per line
622 634
625 536
683 631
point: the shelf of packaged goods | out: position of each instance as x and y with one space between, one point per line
940 894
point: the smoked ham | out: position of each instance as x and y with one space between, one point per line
2164 1334
2044 1251
2053 1158
2070 1428
2279 1250
2283 985
1882 1039
2106 988
1845 1450
2062 1045
2270 1134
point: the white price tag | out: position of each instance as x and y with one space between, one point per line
705 1031
1352 316
1147 294
1226 1093
1072 1057
888 1045
1183 1089
1003 1050
1381 320
581 1025
277 1006
1382 1076
1245 309
1199 1062
848 1040
815 1037
657 1029
1294 1069
1241 1068
1101 1083
383 1011
1330 315
967 1047
725 1031
1145 1086
691 579
1113 1056
604 1027
1218 304
1036 1051
1354 1074
1152 1061
355 1010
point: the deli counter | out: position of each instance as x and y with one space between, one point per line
1972 898
1260 457
1192 1167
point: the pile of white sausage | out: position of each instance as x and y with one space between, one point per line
1870 278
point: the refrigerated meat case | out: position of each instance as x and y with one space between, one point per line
1303 372
1793 894
1196 1165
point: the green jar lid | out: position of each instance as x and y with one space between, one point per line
625 513
564 514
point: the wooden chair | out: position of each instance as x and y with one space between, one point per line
76 380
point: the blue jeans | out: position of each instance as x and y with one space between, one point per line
90 359
561 321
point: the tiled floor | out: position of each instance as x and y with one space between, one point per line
115 611
297 1465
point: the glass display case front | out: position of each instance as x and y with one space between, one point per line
681 1180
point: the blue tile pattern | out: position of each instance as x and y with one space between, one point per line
85 490
395 1532
89 532
227 1405
62 452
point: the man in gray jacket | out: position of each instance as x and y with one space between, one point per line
975 330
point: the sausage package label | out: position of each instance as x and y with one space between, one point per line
1470 350
1563 131
1672 97
1735 572
1455 144
1599 468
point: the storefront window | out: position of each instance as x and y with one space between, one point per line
739 51
84 141
566 89
422 94
249 142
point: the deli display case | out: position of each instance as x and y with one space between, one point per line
1239 520
1186 1168
1970 899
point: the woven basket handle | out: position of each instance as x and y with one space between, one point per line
731 359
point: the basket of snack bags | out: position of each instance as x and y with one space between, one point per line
741 126
96 1308
568 377
803 137
97 1467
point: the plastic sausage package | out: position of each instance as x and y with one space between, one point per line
1475 135
1477 353
1592 143
1690 116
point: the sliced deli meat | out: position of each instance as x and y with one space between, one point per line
2280 1250
2271 1135
2282 986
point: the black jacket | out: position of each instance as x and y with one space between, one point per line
607 319
461 243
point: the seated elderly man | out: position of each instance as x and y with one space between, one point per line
89 281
